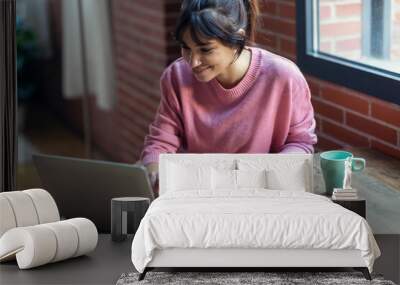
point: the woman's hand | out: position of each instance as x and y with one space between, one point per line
152 170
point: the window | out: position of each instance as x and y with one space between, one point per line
352 43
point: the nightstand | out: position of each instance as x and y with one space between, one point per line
119 215
357 206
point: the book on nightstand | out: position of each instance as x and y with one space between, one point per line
345 194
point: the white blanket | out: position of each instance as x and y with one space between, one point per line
253 218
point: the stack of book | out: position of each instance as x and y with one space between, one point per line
345 194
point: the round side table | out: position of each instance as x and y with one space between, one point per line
119 212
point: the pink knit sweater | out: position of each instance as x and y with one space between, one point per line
269 110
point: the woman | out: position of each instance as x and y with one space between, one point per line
223 96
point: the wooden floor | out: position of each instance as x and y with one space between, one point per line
110 259
382 167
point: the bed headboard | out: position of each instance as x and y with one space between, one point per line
281 163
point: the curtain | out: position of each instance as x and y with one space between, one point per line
8 97
99 54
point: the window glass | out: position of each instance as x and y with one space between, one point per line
366 31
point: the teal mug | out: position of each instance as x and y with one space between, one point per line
333 167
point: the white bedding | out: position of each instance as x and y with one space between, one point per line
252 218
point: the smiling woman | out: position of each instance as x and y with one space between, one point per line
211 59
225 95
219 38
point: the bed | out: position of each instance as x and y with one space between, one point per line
246 211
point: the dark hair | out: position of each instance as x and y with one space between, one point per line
219 19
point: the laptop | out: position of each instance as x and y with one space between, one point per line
84 188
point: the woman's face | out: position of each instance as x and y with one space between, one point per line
209 60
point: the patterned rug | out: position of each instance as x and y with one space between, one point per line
242 278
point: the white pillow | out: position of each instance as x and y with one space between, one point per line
290 179
188 177
251 178
223 179
227 179
283 173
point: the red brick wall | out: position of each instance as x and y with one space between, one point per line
143 48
